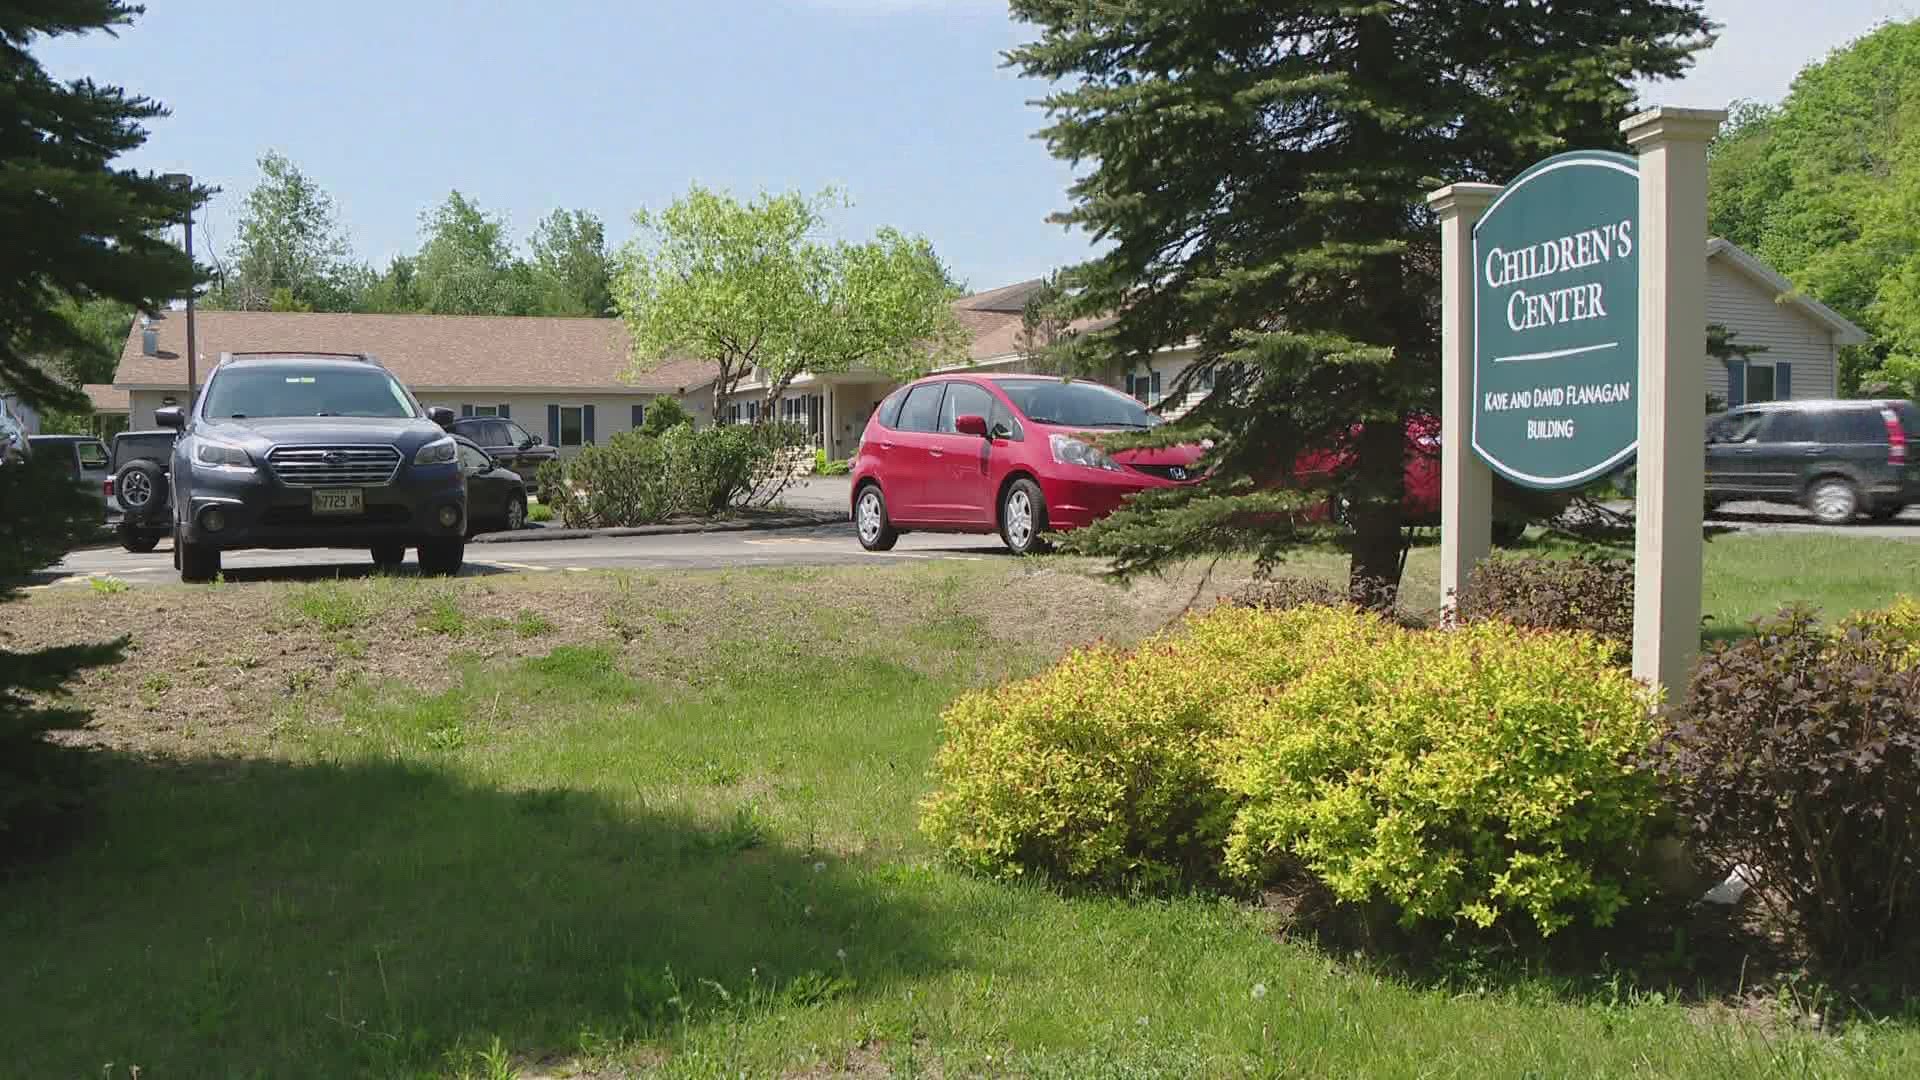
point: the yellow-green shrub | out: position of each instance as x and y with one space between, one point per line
1463 774
1896 626
1102 768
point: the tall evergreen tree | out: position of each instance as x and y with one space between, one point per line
1258 169
73 226
72 229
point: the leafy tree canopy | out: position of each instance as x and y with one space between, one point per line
467 265
290 241
571 265
751 285
1258 169
1826 188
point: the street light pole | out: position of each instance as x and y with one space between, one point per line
184 183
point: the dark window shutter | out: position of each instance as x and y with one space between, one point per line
466 410
1156 386
586 425
1736 383
553 424
639 414
506 413
1783 382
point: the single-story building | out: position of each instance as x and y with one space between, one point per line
1800 341
567 380
570 380
1801 337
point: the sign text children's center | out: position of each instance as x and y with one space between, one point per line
1556 321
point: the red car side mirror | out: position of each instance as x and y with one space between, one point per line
971 425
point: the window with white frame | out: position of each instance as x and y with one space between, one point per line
479 410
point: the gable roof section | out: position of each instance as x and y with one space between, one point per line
427 352
1785 292
107 399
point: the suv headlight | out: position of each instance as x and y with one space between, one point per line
440 451
213 455
1071 451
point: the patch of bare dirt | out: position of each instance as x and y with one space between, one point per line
208 670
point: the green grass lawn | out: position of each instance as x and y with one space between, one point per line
679 838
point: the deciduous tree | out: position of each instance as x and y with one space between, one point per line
570 264
752 285
467 265
289 239
1258 169
1826 188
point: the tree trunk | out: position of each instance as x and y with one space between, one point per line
775 391
1373 575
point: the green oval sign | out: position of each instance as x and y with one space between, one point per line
1556 313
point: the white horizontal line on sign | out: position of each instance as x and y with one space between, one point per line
1557 353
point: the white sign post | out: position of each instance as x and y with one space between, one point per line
1466 484
1669 390
1671 482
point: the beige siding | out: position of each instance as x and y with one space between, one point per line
612 413
1748 308
142 403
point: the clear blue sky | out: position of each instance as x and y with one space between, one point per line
613 106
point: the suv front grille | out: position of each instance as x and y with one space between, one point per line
331 466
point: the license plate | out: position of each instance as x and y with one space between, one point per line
339 501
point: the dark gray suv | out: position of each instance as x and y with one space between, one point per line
288 450
1839 459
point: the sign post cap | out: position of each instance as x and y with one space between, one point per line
1455 198
1667 123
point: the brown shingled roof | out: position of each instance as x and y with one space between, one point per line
427 352
107 399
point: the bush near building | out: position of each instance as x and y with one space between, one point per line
636 478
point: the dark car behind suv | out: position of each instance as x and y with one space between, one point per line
136 488
509 444
287 450
1839 459
83 456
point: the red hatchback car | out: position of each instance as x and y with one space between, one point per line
1002 453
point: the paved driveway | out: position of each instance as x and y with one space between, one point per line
821 545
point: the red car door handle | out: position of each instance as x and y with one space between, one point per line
886 445
936 452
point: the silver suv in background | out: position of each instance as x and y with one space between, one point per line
293 450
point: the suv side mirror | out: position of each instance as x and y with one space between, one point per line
440 414
530 442
971 425
170 417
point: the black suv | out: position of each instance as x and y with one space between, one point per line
292 450
137 488
1839 459
509 444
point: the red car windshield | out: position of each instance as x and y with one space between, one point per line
1080 405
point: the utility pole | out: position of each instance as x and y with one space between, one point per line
184 184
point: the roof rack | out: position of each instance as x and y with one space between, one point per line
303 354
